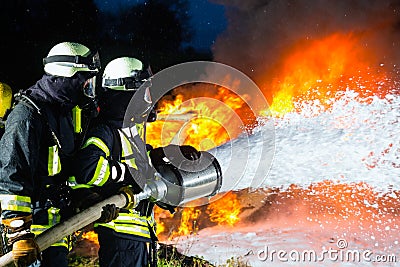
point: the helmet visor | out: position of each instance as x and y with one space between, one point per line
92 61
89 87
131 83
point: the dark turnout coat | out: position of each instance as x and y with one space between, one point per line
30 156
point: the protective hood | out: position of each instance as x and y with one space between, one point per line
66 92
113 105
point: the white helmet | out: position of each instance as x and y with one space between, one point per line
125 73
67 58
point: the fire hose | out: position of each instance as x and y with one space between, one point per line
173 185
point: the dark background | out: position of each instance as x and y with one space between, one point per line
159 32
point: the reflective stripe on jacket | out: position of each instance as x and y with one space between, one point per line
133 224
54 164
23 203
16 203
53 219
102 172
94 168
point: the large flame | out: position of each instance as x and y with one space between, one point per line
225 211
316 70
198 115
319 69
188 220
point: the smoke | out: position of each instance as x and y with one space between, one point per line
259 32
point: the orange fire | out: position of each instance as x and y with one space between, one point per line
311 70
198 115
188 221
222 210
201 115
225 211
319 69
92 236
314 70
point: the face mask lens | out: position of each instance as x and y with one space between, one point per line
89 87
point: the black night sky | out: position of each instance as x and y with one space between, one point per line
207 19
159 32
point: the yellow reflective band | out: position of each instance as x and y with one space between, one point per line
131 218
38 229
101 173
53 165
62 243
74 185
76 119
128 229
131 223
99 143
151 221
16 203
132 163
53 215
133 229
81 186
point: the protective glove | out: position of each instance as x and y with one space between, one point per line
25 250
110 212
83 198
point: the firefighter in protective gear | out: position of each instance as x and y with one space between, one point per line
113 156
37 149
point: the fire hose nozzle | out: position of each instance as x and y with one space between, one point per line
176 186
154 190
158 188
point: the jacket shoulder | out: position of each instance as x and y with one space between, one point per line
23 112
